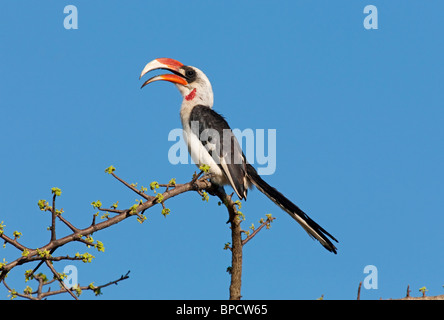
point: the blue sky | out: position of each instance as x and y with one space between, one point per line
359 121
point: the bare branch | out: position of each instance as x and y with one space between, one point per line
67 223
140 193
266 222
53 218
236 245
13 242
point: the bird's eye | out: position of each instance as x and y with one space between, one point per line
190 73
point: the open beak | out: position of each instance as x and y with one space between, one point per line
167 64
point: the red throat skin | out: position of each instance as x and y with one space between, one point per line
191 95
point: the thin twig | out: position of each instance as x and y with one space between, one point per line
111 210
140 193
13 242
67 223
257 230
57 276
123 277
53 218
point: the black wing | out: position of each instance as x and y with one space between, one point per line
216 136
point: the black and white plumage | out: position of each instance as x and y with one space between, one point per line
211 142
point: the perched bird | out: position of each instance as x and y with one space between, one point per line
211 142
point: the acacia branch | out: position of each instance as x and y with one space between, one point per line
53 218
236 245
199 183
44 254
12 242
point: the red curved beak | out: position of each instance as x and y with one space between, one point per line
167 64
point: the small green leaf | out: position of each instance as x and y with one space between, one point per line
62 275
89 239
56 191
2 227
240 215
97 292
154 185
4 263
12 294
77 289
17 234
27 290
423 290
86 257
43 205
141 219
110 169
99 246
205 168
29 275
96 204
159 197
165 212
133 208
43 277
104 216
43 253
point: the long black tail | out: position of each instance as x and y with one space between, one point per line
312 228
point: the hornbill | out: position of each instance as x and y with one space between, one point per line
211 142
